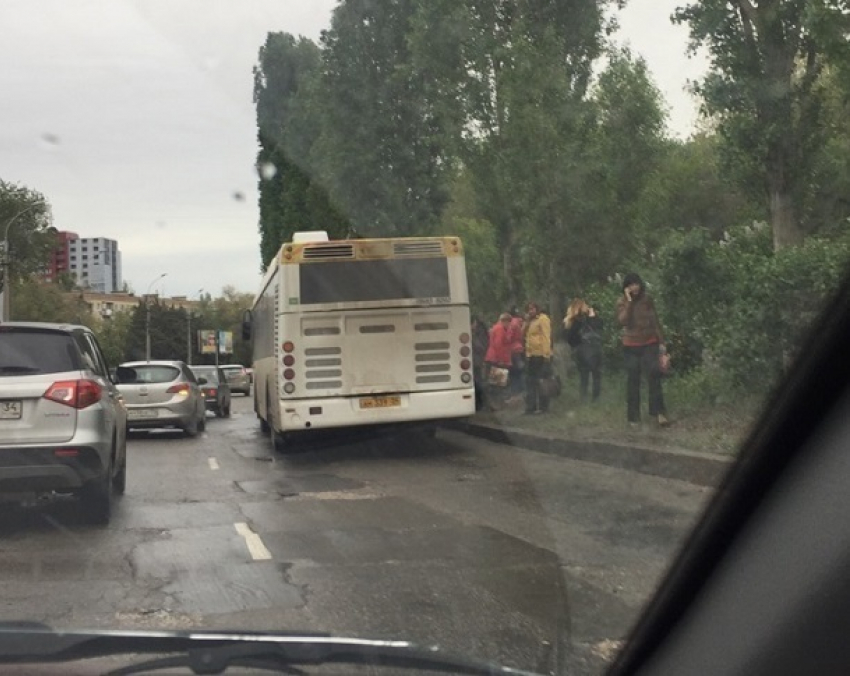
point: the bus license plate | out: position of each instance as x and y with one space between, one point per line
11 410
380 402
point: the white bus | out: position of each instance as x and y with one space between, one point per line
348 333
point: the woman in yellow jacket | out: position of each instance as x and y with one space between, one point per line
538 351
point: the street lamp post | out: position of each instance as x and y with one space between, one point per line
148 317
189 328
6 304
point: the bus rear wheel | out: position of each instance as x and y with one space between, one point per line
279 441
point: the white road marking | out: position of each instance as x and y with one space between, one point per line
255 544
213 464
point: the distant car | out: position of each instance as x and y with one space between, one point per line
62 419
162 394
216 391
238 378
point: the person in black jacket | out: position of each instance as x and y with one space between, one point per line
583 329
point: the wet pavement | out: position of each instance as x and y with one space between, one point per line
493 551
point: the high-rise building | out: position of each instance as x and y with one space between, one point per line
96 263
61 256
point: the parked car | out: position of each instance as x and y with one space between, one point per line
238 378
62 420
216 391
162 394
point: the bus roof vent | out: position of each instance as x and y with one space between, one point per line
432 247
310 236
328 252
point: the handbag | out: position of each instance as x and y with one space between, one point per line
549 387
664 363
497 376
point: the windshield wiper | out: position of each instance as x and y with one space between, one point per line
211 652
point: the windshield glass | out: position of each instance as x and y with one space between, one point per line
500 450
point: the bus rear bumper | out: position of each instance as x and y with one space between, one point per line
379 409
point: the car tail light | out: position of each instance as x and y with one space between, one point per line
212 391
181 388
66 452
77 394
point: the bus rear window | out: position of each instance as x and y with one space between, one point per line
352 281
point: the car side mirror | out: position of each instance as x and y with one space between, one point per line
202 381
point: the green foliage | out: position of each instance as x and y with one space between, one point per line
290 197
25 216
766 60
34 300
737 308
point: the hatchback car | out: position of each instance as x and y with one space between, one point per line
238 378
216 391
162 394
62 419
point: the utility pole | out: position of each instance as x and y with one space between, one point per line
148 317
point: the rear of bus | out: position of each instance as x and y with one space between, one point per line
373 332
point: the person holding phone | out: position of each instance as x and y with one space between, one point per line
643 344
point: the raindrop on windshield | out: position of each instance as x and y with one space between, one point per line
268 170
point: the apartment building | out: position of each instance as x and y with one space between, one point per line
95 262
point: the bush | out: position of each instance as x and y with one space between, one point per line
737 306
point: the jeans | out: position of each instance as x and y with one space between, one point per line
643 360
536 368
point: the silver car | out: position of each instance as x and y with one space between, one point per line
62 419
238 378
162 394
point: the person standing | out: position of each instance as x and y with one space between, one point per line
643 344
584 335
517 354
538 353
499 355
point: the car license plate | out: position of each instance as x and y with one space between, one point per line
11 410
380 402
142 413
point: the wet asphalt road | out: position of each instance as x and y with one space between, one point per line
490 551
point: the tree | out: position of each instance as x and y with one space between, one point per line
766 59
291 199
381 151
25 216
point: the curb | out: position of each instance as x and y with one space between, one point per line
702 469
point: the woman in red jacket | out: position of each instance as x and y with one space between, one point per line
499 349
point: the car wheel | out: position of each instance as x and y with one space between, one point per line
227 410
264 425
191 429
96 499
219 411
119 482
202 422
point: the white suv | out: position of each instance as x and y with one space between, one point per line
63 423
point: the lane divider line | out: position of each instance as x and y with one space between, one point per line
256 547
213 464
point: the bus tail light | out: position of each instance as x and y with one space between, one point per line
289 374
464 338
289 388
288 360
288 346
465 364
466 377
464 351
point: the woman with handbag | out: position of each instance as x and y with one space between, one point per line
498 358
643 349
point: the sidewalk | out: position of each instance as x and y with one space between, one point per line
703 469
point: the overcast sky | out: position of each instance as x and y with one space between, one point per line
134 118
